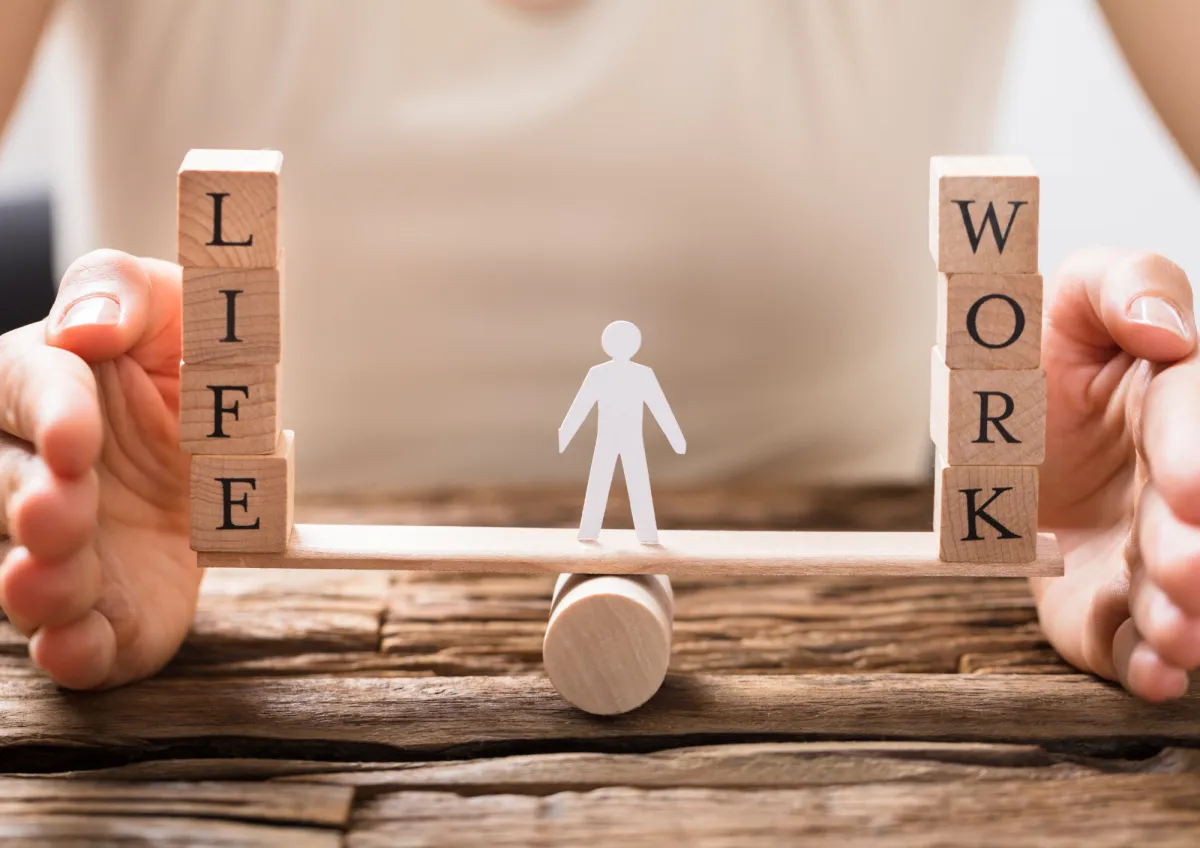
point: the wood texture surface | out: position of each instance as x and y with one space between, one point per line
500 714
229 409
232 317
247 185
990 321
244 503
698 553
424 691
972 200
987 512
987 417
994 814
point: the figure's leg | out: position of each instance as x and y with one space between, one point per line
604 463
641 503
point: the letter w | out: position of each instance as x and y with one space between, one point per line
989 217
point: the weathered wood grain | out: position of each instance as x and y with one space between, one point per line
1114 810
292 803
21 831
503 713
733 765
769 765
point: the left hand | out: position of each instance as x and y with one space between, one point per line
1121 482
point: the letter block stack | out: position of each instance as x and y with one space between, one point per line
988 405
242 464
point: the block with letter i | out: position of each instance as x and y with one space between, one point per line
229 247
988 400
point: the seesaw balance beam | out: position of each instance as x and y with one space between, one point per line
681 553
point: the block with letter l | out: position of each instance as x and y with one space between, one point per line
229 209
244 503
986 513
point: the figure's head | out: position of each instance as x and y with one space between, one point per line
621 339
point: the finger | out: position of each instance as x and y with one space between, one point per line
1142 671
1081 611
79 655
37 593
110 303
1141 302
48 398
1170 550
1174 636
1170 420
52 516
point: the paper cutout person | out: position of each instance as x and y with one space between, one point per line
620 388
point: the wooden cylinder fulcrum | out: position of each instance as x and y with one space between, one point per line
608 642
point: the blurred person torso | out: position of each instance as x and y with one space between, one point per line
474 189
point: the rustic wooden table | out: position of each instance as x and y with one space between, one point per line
372 708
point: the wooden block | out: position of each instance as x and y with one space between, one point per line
679 553
983 214
244 503
987 417
232 317
228 409
986 513
608 643
229 209
990 321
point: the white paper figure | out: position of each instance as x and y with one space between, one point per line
620 388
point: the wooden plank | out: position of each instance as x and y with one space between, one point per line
170 831
1112 810
768 765
294 803
712 553
505 712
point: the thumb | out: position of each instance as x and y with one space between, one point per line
1141 302
110 303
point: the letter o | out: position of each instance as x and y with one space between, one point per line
973 319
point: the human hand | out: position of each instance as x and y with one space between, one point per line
1121 483
101 577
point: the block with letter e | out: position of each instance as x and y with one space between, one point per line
986 513
983 214
244 503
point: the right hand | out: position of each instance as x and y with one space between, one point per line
100 576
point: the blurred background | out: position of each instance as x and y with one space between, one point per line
1111 174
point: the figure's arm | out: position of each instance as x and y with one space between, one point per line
21 24
1159 41
661 410
578 413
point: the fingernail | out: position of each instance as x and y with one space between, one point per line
1158 312
93 309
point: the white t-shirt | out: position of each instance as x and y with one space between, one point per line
473 190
